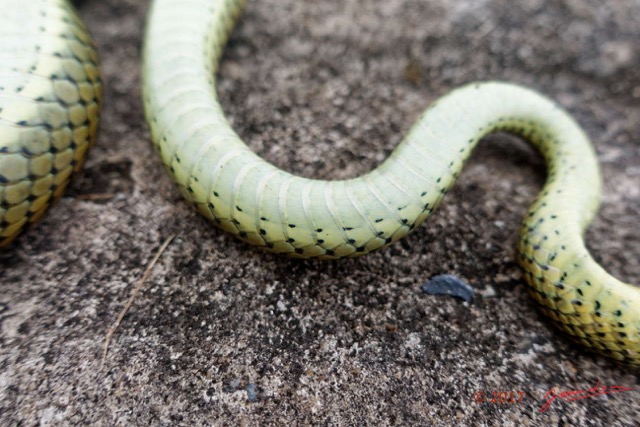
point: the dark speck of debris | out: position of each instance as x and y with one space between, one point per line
252 392
447 284
232 386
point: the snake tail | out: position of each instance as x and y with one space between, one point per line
270 208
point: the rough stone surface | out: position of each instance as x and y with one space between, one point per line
225 335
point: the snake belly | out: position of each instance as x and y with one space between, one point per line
50 97
270 208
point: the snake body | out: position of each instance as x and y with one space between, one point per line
50 96
270 208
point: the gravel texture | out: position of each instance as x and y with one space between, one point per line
224 335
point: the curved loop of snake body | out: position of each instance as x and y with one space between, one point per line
50 97
268 207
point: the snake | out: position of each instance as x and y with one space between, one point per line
244 195
50 100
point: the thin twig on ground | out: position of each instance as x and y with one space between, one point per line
134 293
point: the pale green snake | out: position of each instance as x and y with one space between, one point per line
307 218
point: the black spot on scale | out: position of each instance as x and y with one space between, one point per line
263 231
238 209
299 251
292 226
291 240
617 313
360 249
319 230
211 206
351 241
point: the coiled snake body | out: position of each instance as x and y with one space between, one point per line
270 208
50 96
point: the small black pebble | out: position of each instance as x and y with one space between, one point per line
447 284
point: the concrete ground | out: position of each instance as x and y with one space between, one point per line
222 334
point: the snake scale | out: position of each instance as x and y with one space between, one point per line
307 218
